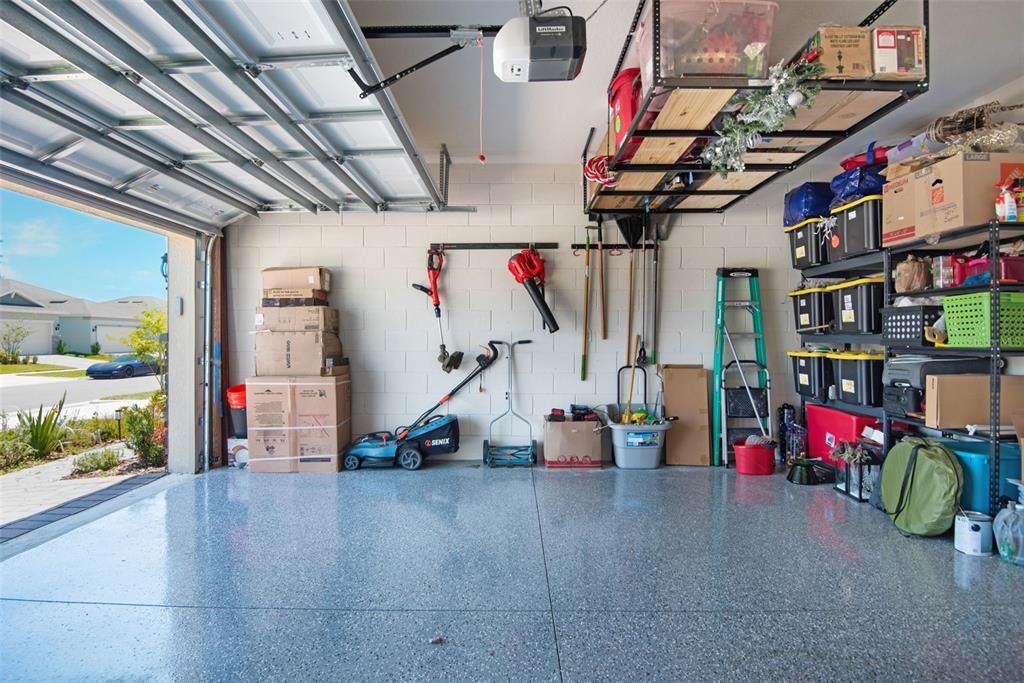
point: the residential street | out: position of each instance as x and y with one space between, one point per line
20 392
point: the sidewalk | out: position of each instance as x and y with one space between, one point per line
35 489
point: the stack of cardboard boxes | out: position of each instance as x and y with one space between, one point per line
298 405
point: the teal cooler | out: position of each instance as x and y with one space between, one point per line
973 457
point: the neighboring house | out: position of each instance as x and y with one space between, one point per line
51 315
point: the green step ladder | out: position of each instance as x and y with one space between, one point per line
752 305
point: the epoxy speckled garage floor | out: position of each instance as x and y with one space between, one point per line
672 574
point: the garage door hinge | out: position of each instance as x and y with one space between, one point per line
16 83
132 76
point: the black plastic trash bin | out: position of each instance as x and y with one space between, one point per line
236 408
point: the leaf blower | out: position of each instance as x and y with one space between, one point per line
435 259
527 267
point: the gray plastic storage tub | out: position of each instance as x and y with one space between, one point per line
636 447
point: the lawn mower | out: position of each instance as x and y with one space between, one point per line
428 435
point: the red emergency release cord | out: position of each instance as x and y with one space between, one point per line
480 44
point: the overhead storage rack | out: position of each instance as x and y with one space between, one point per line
666 173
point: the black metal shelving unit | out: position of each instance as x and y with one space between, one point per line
670 175
995 234
837 339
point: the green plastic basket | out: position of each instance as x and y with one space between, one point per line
969 320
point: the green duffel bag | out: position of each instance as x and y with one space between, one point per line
921 486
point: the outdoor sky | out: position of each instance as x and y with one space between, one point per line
52 246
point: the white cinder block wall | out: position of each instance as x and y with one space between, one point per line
388 329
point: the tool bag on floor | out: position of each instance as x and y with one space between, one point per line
921 486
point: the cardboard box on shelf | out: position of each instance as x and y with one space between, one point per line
297 319
845 51
298 353
298 424
952 193
572 444
898 53
899 210
688 442
310 277
955 401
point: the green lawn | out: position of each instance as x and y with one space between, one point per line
128 397
20 369
70 372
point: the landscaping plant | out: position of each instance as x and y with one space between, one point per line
107 459
44 433
12 336
148 341
61 348
94 349
92 431
140 430
13 449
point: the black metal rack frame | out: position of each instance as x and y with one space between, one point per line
995 234
907 89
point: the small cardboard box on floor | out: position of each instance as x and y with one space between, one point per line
298 353
955 401
572 444
298 424
952 193
688 442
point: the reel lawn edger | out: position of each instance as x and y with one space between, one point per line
408 446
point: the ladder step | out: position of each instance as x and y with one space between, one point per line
746 335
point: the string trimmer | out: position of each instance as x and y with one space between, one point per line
435 259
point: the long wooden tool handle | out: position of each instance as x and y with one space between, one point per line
586 310
629 310
600 276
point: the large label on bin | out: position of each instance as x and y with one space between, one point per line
848 315
805 379
805 318
849 387
801 251
643 439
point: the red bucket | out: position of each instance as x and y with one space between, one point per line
236 396
756 459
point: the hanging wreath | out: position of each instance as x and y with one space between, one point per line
762 112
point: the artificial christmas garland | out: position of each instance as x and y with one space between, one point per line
763 111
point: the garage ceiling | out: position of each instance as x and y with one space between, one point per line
975 49
190 114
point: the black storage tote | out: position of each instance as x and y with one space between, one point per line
812 309
806 245
858 228
857 305
857 377
812 373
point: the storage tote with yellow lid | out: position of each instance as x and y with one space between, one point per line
857 376
858 228
812 373
812 309
857 305
807 245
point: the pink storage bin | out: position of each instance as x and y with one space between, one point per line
1010 267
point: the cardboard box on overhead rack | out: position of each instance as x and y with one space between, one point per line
297 319
298 353
688 442
298 424
310 277
898 53
952 193
845 51
955 401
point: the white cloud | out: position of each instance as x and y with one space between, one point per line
32 238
